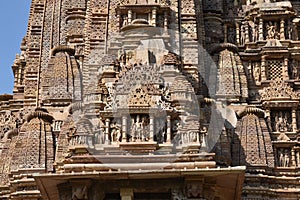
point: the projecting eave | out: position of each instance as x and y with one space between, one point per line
228 181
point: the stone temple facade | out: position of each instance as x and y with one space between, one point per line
154 99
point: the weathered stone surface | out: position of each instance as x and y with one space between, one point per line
154 99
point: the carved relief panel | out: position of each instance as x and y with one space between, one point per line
281 121
283 157
271 30
294 69
139 128
75 26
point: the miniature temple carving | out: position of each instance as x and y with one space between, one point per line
154 99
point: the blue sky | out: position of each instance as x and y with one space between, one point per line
13 19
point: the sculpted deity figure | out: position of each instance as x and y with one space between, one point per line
295 70
194 190
125 21
115 132
255 33
281 158
133 130
286 158
281 122
139 129
254 30
271 30
243 36
79 193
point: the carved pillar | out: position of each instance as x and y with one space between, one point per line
151 127
282 37
126 193
166 23
19 75
261 30
154 17
268 113
263 68
203 140
124 128
237 30
294 120
295 32
129 16
225 33
246 33
293 157
150 18
119 19
285 72
298 158
107 124
168 130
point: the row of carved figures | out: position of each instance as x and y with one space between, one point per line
288 158
140 128
250 31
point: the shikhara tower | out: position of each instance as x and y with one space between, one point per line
154 99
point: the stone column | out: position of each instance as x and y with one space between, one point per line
298 158
261 30
154 17
168 130
246 33
124 128
19 74
107 124
129 16
165 23
151 128
149 18
293 158
295 32
237 31
268 115
282 36
294 120
119 19
225 33
263 68
126 193
285 69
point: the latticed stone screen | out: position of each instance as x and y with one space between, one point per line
274 69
